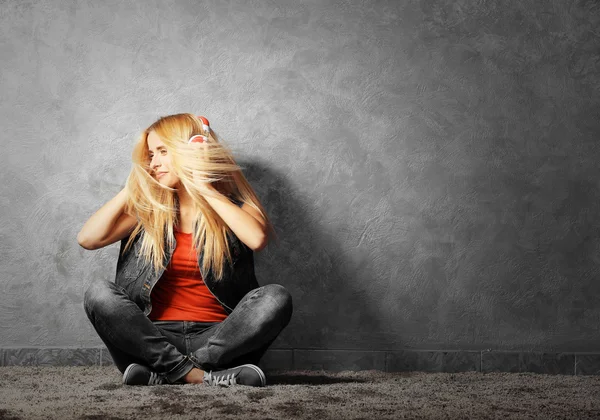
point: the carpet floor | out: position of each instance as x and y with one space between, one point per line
94 392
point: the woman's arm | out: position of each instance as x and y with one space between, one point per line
109 224
244 222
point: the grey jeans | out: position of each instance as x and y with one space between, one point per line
173 348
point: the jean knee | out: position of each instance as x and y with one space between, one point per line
282 298
98 295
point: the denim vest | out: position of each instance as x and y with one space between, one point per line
138 278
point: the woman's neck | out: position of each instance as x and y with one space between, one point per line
185 219
184 198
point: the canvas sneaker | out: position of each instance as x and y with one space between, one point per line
250 375
137 374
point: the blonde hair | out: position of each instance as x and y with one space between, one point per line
156 206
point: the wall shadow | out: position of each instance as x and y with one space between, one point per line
330 311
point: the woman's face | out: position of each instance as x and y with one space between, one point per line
160 161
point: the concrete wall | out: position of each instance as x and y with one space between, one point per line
431 166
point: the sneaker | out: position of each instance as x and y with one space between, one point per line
136 374
249 375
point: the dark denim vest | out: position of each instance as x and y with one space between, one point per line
138 278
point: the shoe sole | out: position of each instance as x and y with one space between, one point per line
263 379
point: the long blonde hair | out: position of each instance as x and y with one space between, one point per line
156 206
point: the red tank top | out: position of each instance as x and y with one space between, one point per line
180 294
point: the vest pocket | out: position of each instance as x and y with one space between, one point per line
132 268
124 282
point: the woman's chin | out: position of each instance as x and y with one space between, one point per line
161 182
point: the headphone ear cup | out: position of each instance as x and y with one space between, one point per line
198 138
205 123
204 120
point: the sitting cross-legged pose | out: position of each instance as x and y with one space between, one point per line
185 306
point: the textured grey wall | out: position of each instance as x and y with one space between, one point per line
430 166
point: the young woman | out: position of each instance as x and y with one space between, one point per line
185 306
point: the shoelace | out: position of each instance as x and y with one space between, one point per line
216 379
155 379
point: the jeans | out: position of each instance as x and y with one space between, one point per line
173 348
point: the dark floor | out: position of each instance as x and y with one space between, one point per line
92 392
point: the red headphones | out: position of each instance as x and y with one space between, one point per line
199 138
